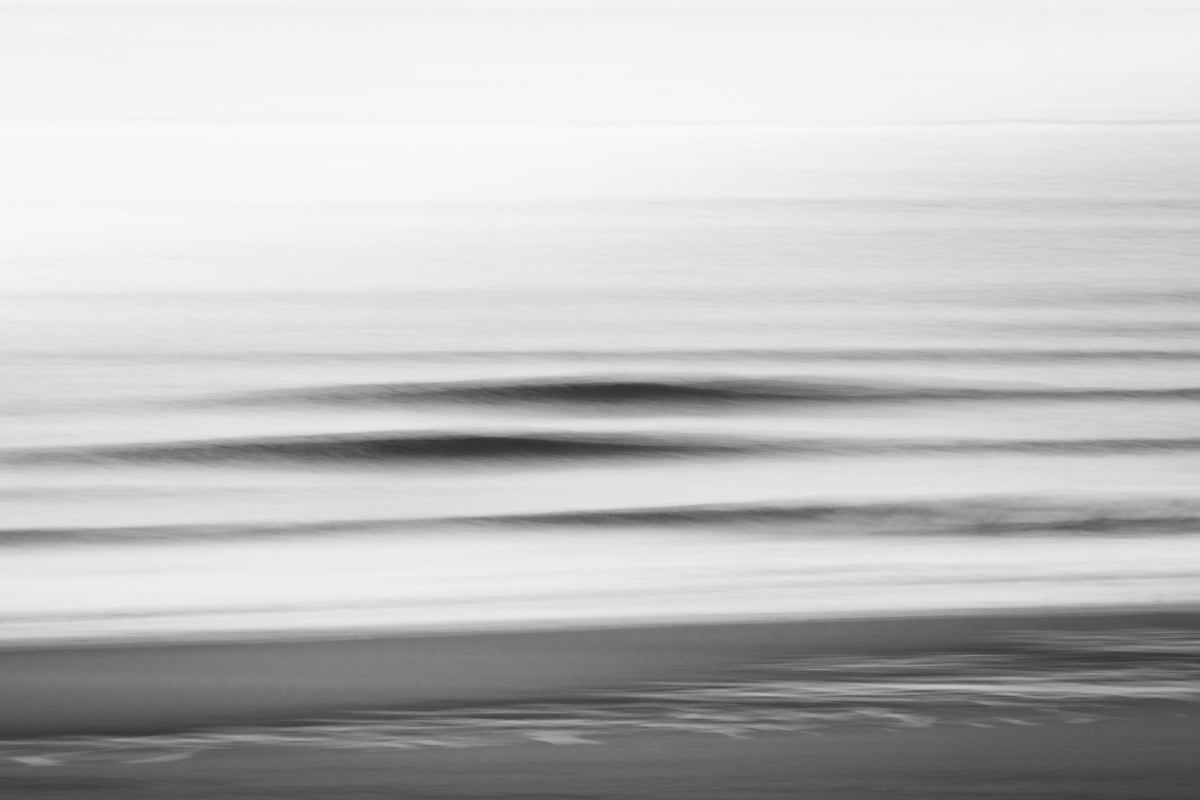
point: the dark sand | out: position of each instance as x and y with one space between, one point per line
1143 753
1153 757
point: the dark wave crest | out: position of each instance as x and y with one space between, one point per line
974 516
673 393
392 447
988 516
584 391
399 448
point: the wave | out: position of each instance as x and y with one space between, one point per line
988 516
431 447
1125 446
972 516
672 392
591 390
392 448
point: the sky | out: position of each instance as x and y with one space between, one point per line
120 64
178 144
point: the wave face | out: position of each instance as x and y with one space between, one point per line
676 393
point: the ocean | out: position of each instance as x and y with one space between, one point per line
932 389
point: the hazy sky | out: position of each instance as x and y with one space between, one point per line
342 62
264 143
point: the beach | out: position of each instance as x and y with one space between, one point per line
1144 759
96 712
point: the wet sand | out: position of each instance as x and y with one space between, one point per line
1150 757
164 687
1140 753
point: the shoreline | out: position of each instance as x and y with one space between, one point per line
142 688
1148 757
